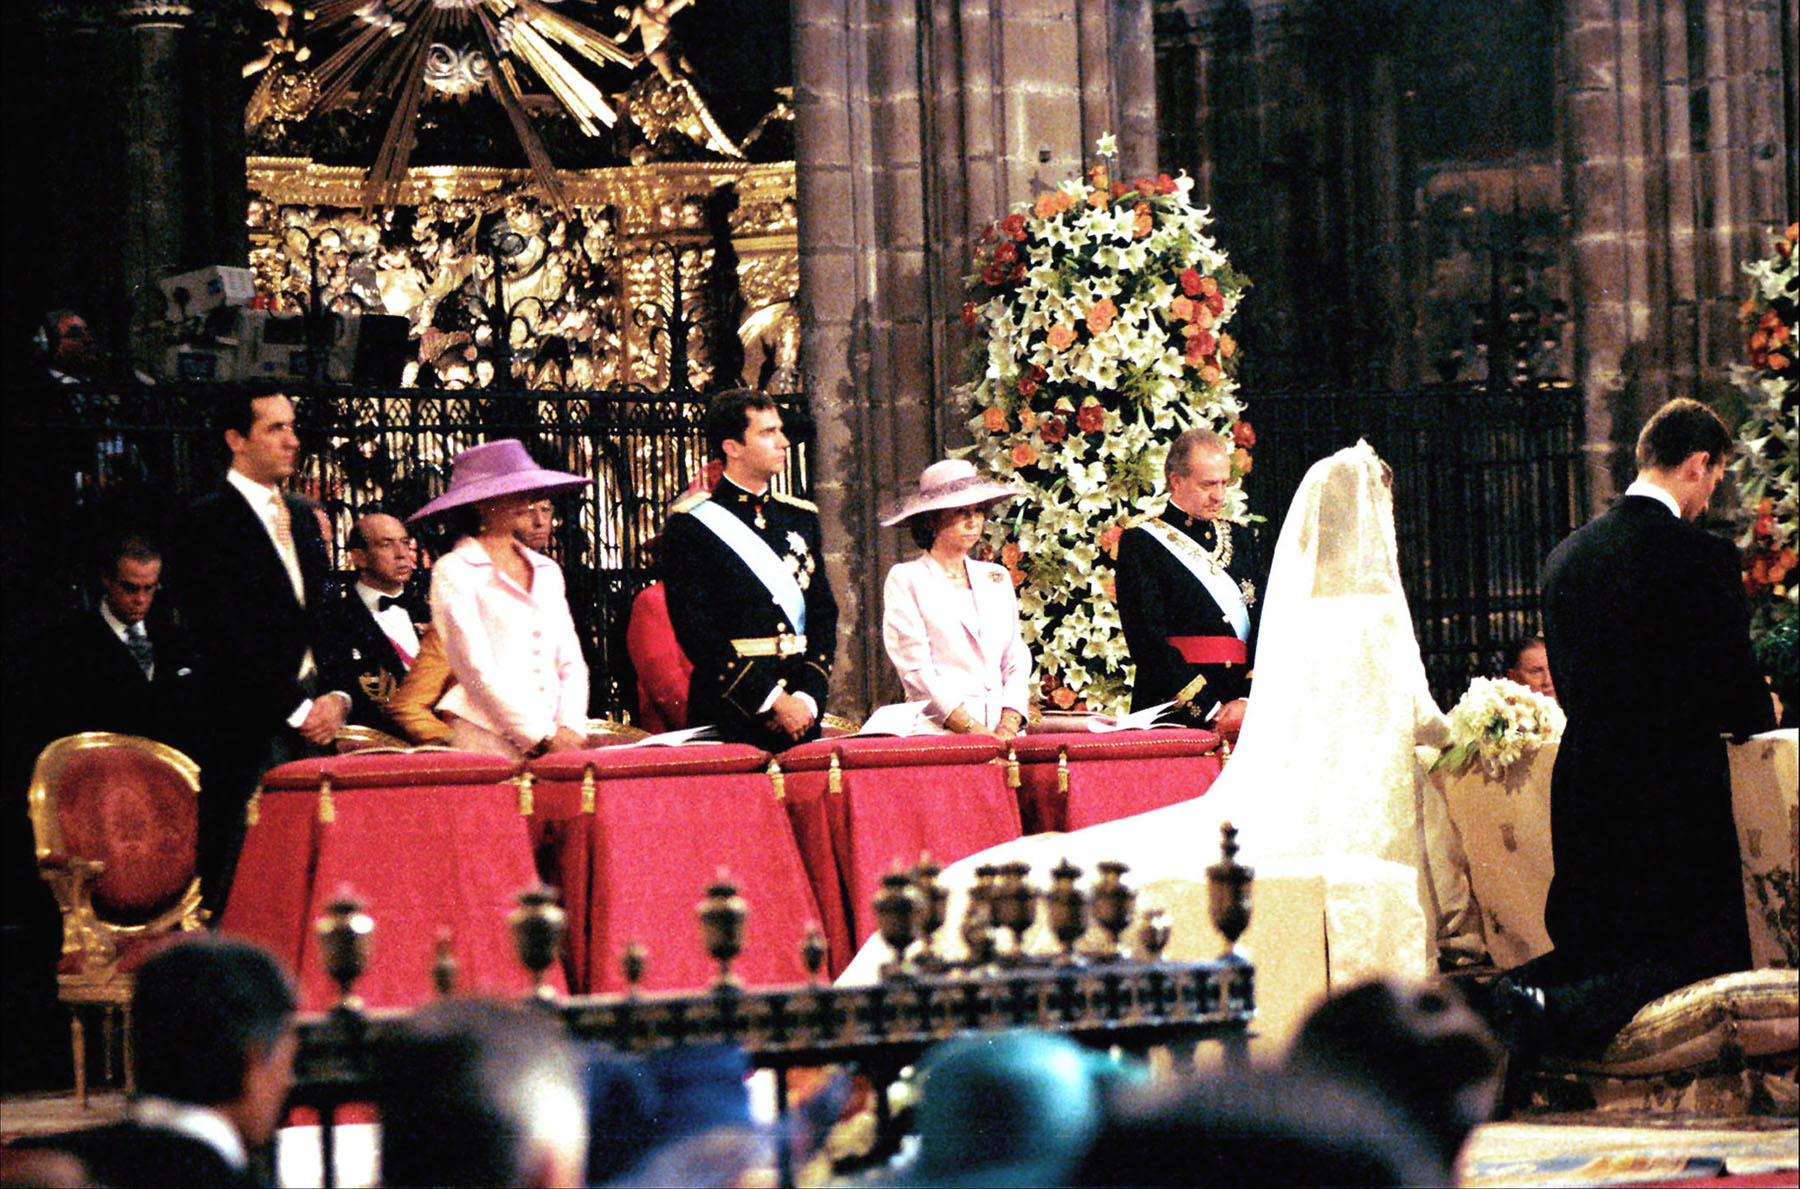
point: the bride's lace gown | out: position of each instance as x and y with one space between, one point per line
1325 781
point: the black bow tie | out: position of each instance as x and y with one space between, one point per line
383 602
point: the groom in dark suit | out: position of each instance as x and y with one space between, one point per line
251 575
1647 628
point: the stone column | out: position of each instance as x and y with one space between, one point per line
916 123
1675 147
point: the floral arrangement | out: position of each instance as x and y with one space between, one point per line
1499 722
1100 310
1764 462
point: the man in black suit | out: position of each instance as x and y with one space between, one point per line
375 620
124 667
251 575
1188 592
1647 629
747 590
213 1043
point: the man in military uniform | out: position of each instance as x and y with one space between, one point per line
747 590
1188 592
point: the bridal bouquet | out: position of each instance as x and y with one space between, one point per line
1100 312
1499 722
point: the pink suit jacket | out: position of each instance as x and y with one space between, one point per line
954 651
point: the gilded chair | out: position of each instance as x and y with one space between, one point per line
116 823
353 737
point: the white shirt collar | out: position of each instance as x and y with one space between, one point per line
1647 488
369 595
202 1123
120 628
258 494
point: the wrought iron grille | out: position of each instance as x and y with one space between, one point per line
1486 482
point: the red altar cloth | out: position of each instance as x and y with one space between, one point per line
1110 774
895 799
428 840
663 822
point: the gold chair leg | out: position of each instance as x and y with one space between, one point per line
78 1042
130 1058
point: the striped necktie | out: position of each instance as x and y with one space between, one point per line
138 643
283 524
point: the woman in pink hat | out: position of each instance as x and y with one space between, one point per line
521 684
950 623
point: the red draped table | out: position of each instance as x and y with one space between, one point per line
1069 781
861 806
429 841
639 832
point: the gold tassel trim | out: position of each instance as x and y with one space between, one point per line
1062 772
527 804
1012 768
253 810
776 781
587 789
834 779
327 806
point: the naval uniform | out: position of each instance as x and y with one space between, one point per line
751 607
1193 641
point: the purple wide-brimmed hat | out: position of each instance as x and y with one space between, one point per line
496 468
951 483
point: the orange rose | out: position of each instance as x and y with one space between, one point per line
1210 374
1120 189
1203 315
1759 342
1023 455
1109 540
1061 336
1216 302
1064 697
1110 585
1144 186
1096 198
1018 577
994 418
1227 346
1091 418
1182 308
1101 315
1778 363
1141 222
1240 461
1010 554
1165 184
1027 419
1243 435
1208 286
1097 177
1051 203
1203 342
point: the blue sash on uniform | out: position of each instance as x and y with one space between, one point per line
763 561
1218 583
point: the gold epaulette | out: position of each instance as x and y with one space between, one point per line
689 502
795 501
1142 518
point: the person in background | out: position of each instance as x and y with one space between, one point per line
950 623
1528 663
376 618
521 682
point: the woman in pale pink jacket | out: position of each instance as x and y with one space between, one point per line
951 623
521 685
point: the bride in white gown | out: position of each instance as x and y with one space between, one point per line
1324 781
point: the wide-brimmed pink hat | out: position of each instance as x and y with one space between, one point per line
952 483
496 468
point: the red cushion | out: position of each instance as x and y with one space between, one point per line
137 814
390 770
887 751
1115 745
616 763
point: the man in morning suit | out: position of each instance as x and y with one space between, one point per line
1647 629
124 667
1188 590
747 589
375 620
252 579
213 1047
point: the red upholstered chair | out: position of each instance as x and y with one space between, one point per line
116 822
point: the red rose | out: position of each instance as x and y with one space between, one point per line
1014 225
1027 388
1053 430
1203 343
1190 282
1216 302
1006 252
1091 418
1018 272
1165 184
971 314
993 276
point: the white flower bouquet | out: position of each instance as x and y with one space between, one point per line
1100 310
1499 722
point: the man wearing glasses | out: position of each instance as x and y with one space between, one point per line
377 620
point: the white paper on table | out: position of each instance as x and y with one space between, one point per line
1137 720
701 734
898 718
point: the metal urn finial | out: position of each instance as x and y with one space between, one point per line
723 914
1114 902
345 935
1155 933
1228 890
932 900
813 951
897 916
537 925
443 962
977 926
1014 904
632 963
1067 909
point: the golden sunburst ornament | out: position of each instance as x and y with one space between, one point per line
401 52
